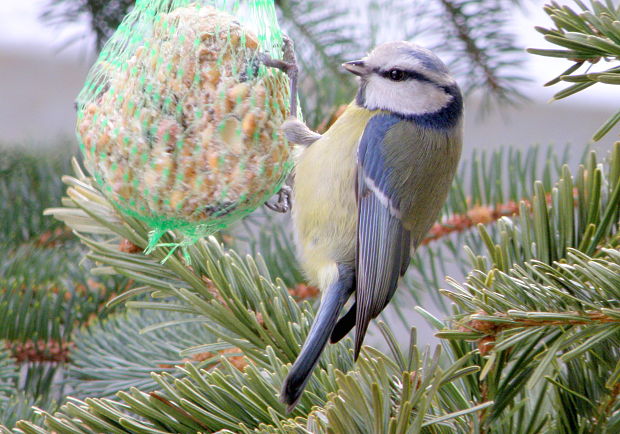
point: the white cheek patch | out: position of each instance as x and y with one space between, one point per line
409 97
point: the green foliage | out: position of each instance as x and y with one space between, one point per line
382 394
32 182
579 212
241 307
121 351
265 234
44 289
8 374
45 292
227 399
30 263
531 272
557 342
543 304
234 297
586 38
18 405
237 301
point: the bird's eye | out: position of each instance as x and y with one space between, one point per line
397 74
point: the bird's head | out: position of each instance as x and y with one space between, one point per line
405 79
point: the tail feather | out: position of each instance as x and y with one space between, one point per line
344 325
331 304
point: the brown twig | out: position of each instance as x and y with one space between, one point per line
475 53
51 351
239 362
492 328
49 239
476 215
303 291
607 406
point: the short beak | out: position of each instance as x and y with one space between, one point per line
357 67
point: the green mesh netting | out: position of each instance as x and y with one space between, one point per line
179 120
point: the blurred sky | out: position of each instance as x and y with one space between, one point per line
21 27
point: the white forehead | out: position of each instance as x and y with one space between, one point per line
411 57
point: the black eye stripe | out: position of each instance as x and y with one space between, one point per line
409 74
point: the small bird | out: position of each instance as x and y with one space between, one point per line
369 188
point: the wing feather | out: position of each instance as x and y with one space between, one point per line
382 241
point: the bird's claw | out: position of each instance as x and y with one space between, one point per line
283 202
288 65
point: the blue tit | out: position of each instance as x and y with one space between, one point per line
369 189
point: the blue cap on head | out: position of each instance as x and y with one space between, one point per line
426 58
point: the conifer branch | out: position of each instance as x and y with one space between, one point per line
590 37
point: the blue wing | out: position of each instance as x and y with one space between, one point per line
382 242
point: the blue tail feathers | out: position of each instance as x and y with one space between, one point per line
332 302
344 325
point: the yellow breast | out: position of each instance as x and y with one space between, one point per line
324 207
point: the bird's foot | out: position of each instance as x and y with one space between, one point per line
288 65
283 202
